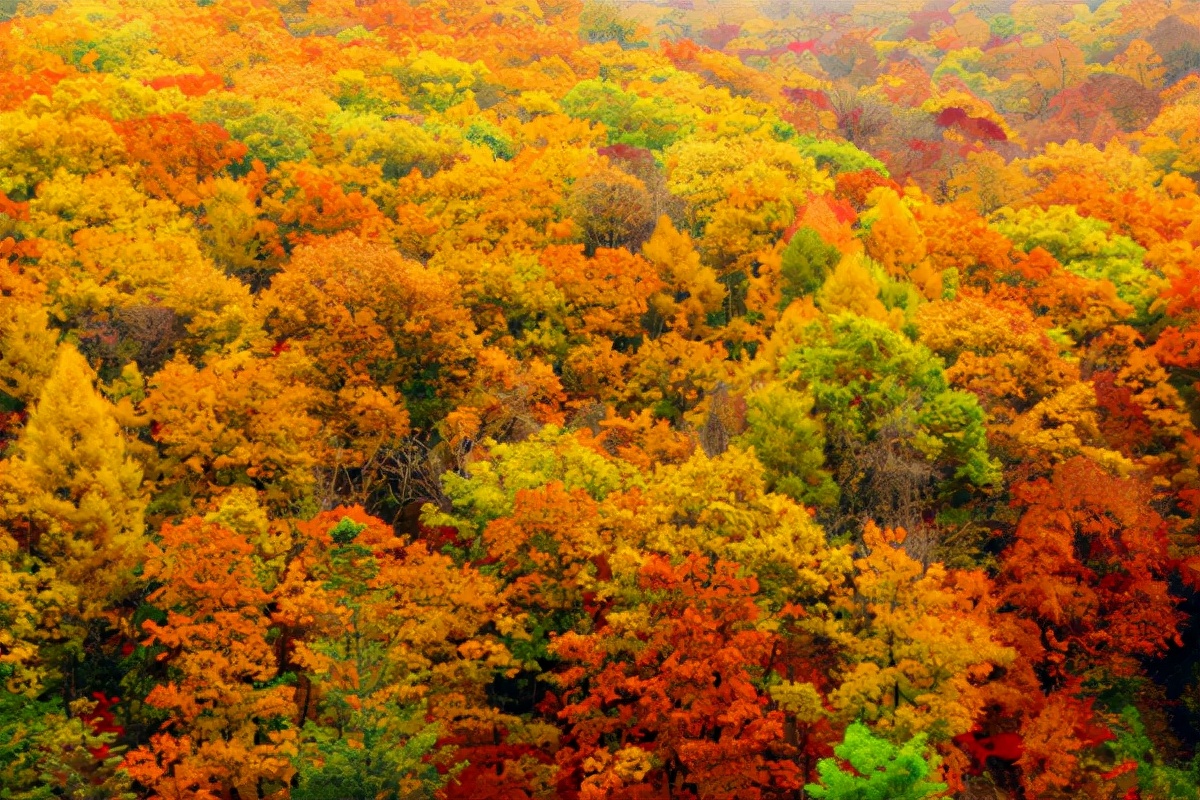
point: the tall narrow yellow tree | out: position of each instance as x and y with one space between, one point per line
70 493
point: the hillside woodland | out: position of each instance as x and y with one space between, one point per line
527 399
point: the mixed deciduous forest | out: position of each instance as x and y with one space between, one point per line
529 399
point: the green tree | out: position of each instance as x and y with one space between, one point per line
807 262
881 770
838 157
371 740
896 429
1086 247
653 122
790 443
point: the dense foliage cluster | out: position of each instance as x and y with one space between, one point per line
514 399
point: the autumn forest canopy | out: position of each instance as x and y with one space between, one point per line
534 399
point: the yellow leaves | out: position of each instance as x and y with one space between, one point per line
895 240
606 294
37 144
674 256
27 348
719 506
610 771
1116 164
240 417
922 642
511 395
1149 382
741 189
996 350
233 232
73 485
801 700
1142 63
105 245
1059 426
370 418
33 603
675 373
987 182
852 289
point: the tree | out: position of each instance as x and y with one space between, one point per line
921 648
807 262
606 294
895 427
244 419
1039 410
363 736
673 689
852 289
73 494
398 654
894 239
790 443
612 209
652 122
691 290
1088 568
176 155
882 770
1084 246
229 714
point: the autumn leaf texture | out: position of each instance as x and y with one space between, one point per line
599 400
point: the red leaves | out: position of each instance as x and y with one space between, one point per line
814 97
978 127
494 772
1089 565
101 720
16 88
685 695
177 155
1120 769
1123 422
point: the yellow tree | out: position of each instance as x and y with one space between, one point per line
71 492
896 241
239 420
919 646
693 290
27 347
852 289
1142 63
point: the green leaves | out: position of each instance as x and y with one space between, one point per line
880 769
838 157
865 377
346 531
1085 247
653 122
790 443
807 262
384 755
